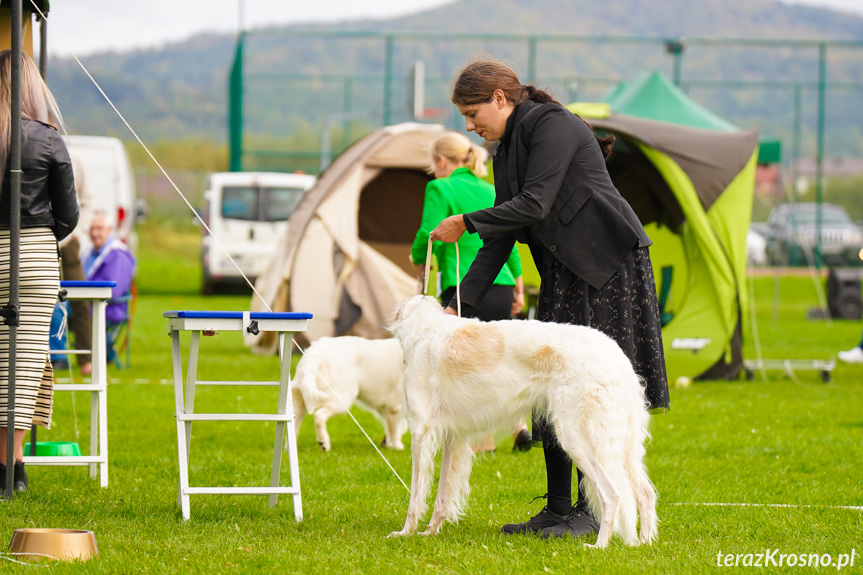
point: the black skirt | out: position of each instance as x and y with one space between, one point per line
625 308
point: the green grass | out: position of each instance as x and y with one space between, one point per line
758 442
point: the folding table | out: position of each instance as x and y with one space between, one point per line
209 323
98 292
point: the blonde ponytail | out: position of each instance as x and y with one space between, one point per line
458 149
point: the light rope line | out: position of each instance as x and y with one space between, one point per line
425 287
790 505
204 224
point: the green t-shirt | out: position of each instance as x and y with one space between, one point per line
460 193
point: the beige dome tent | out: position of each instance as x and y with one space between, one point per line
345 254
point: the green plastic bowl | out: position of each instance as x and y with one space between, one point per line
48 448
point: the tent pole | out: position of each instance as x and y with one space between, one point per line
11 310
43 69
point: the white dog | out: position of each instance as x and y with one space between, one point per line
465 377
367 371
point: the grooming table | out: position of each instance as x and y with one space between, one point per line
98 293
824 367
210 323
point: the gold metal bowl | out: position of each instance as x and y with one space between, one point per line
62 544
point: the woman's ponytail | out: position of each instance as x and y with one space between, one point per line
458 149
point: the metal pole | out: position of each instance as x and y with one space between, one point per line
795 147
819 152
388 79
235 107
346 128
531 60
43 70
14 239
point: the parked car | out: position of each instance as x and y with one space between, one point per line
246 212
790 235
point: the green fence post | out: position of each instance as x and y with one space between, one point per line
388 80
819 152
235 108
346 128
531 60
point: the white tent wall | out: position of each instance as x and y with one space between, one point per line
323 266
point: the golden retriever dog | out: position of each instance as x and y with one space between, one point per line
465 377
336 372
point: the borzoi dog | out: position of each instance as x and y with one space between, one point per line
465 377
335 372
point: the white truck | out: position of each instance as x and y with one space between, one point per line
102 166
246 212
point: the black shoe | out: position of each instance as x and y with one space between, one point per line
523 441
21 483
545 519
578 524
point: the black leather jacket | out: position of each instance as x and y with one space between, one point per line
47 185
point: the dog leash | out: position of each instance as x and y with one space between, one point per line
457 275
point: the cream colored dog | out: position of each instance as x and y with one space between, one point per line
465 377
335 372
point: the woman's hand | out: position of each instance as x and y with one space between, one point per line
517 304
449 230
450 311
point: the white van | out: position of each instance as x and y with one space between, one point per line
247 212
107 175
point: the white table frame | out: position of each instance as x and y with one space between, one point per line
210 323
98 293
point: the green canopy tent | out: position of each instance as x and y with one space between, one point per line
690 176
692 188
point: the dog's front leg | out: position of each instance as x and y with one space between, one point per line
444 490
421 474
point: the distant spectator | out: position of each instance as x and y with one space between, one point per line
109 259
71 270
853 355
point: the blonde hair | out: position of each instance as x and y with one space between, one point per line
457 148
37 103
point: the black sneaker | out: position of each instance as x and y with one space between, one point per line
577 524
21 483
523 441
545 519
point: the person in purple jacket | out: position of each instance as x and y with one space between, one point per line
109 259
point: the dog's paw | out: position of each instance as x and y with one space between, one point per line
594 546
323 446
402 533
430 531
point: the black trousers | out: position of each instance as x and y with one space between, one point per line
496 305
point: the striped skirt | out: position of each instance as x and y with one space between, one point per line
38 286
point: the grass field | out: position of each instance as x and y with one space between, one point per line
774 442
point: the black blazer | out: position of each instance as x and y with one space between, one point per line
553 192
47 185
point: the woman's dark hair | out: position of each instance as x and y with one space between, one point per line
476 83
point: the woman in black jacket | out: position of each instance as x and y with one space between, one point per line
553 192
49 212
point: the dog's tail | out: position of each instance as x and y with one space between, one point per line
308 384
645 493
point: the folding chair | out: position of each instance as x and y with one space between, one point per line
119 333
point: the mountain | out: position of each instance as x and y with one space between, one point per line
301 80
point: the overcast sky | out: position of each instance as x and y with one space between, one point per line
96 25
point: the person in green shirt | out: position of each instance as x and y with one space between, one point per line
458 166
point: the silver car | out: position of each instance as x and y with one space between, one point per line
791 229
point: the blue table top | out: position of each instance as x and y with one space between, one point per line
238 314
86 284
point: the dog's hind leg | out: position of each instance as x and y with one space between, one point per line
299 410
423 448
393 425
321 416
